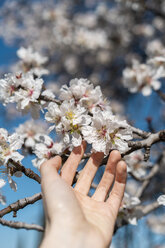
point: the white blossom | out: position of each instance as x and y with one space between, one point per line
69 120
107 132
84 93
24 90
29 131
161 200
155 48
8 86
158 61
46 149
130 201
30 57
9 144
30 91
91 39
136 164
30 62
143 77
127 211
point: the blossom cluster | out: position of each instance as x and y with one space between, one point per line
24 90
93 35
84 114
136 164
31 61
30 131
127 211
9 146
81 113
145 77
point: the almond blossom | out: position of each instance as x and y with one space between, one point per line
136 164
22 89
28 94
127 211
8 86
107 132
31 57
29 131
84 93
143 77
69 120
161 200
9 144
45 149
32 61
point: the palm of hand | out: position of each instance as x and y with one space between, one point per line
97 214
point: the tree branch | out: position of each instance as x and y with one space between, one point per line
148 142
147 179
19 225
141 189
49 99
28 172
144 210
152 173
138 212
14 207
140 133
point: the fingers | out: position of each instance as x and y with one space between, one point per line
69 168
108 177
117 192
58 197
49 174
49 170
87 174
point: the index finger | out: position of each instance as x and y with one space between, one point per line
49 170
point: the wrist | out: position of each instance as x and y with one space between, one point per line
75 238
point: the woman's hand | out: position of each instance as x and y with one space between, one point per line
73 219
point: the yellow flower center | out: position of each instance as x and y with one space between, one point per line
70 115
102 132
113 136
6 150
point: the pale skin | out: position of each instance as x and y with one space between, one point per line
74 219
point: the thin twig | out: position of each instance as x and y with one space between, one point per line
14 207
28 172
138 212
152 173
49 99
140 133
19 225
142 188
148 142
144 210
